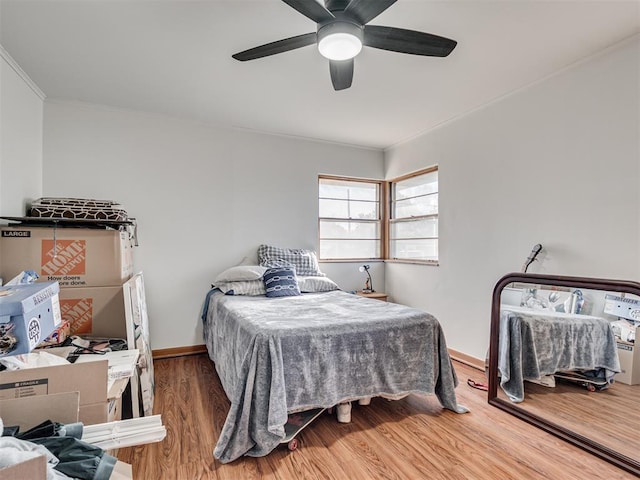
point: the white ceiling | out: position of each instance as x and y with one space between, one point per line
174 57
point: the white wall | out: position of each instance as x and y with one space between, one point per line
21 111
204 197
556 163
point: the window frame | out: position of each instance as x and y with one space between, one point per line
385 211
389 219
381 220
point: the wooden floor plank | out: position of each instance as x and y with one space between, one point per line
412 438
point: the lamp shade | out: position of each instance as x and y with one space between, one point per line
340 40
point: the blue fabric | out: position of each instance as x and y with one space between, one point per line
281 282
205 306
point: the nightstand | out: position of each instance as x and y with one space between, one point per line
377 295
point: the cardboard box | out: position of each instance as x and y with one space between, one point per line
79 257
96 311
90 379
114 408
28 412
629 355
58 336
34 469
31 411
122 471
28 314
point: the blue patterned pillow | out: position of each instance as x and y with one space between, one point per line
281 282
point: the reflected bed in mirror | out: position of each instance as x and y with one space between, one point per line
562 357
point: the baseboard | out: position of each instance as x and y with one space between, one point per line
466 359
179 351
198 349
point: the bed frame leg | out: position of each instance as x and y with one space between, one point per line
364 401
344 412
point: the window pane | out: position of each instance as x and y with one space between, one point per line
348 190
353 230
411 207
348 209
349 249
427 227
414 249
349 219
415 186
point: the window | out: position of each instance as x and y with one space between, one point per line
413 220
350 218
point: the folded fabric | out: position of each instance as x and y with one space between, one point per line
51 429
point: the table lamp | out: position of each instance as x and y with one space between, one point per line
368 286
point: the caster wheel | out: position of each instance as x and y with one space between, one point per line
293 444
591 388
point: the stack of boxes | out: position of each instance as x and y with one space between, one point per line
627 309
90 266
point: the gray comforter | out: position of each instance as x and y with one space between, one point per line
278 355
535 343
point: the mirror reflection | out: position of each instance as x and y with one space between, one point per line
568 355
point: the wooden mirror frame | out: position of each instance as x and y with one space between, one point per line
597 449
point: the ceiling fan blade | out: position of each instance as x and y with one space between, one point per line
367 10
280 46
311 9
407 41
341 73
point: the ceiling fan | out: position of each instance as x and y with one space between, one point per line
342 31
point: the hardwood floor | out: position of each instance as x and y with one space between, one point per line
412 438
613 413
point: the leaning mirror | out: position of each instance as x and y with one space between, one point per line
562 356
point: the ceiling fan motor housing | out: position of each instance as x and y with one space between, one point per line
333 5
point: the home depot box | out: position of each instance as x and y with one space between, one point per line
629 355
28 314
90 379
95 311
74 257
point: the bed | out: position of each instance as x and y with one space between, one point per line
280 355
538 343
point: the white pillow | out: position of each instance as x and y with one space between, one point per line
316 284
243 287
241 273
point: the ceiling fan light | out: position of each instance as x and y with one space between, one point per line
340 46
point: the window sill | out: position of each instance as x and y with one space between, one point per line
431 263
350 260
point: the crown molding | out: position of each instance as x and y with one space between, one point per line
21 73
